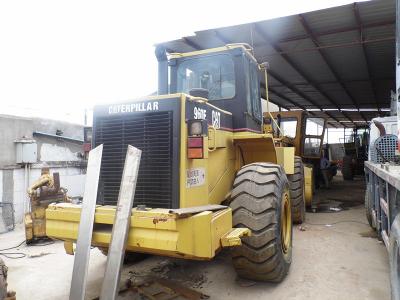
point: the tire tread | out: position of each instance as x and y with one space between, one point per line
256 197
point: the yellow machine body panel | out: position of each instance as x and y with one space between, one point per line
255 148
285 158
216 169
157 231
225 152
35 223
308 184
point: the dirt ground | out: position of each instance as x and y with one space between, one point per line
335 256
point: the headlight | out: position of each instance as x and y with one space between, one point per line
196 128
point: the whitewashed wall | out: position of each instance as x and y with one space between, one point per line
72 179
54 152
1 185
20 197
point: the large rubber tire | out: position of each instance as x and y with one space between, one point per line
368 207
260 202
394 258
347 168
3 280
297 196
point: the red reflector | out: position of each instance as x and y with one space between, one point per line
195 142
195 152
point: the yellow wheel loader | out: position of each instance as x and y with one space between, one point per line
305 133
209 177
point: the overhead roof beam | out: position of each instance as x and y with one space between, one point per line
284 82
191 43
279 104
296 104
333 124
221 37
283 97
322 33
277 94
297 68
349 81
340 30
294 89
331 46
300 93
362 38
316 42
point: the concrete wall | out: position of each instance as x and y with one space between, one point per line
14 186
49 149
59 155
53 150
11 129
71 130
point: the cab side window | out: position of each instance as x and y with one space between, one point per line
255 91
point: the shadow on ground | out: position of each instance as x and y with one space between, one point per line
341 195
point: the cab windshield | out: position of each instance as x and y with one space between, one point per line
213 73
313 137
289 127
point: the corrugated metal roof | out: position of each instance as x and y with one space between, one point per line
337 58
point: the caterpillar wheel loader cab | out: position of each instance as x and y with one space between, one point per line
202 145
356 153
306 134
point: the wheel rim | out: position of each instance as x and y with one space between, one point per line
286 222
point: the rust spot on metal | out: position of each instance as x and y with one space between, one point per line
156 220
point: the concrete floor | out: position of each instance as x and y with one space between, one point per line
341 260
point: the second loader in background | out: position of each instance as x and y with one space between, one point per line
305 133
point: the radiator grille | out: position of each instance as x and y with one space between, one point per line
150 132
